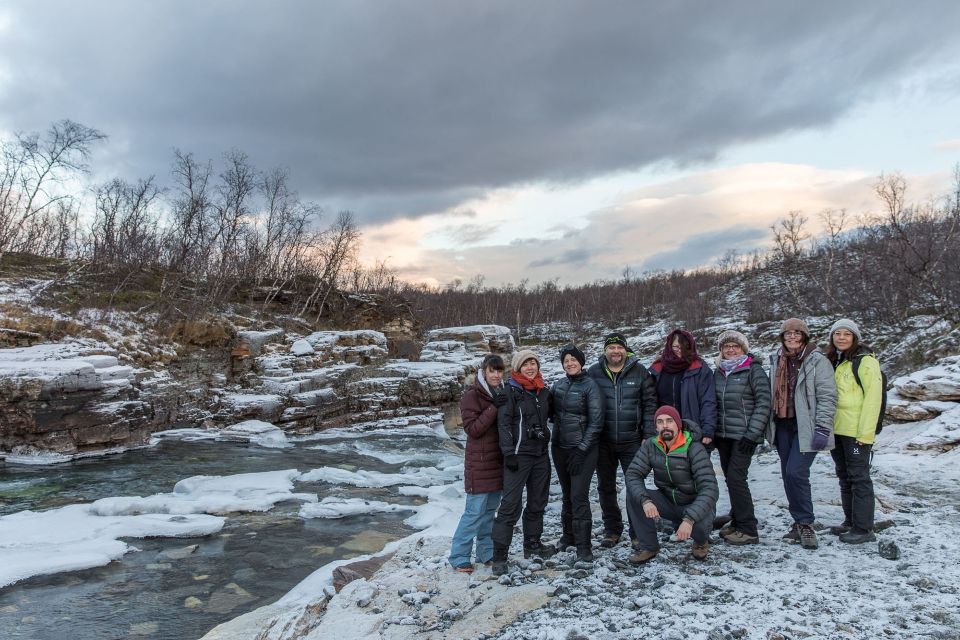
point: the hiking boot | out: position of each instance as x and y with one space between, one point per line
464 568
609 540
585 554
642 556
499 567
856 536
738 538
808 537
542 551
727 530
721 521
793 535
700 550
841 528
566 540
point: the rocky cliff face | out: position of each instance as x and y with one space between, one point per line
70 399
76 397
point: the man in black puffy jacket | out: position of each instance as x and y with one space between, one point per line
686 492
630 400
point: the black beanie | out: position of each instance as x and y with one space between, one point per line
572 350
615 338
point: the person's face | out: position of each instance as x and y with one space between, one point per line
529 368
571 365
667 428
843 339
731 350
675 346
793 340
493 376
615 354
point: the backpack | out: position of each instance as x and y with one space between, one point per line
883 388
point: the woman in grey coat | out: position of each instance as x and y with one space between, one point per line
743 412
804 402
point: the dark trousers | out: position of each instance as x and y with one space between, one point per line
534 475
647 527
575 514
856 488
795 470
609 457
735 466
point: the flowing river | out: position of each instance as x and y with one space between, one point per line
167 588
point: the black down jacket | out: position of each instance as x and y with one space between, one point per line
743 402
522 421
577 406
630 400
684 475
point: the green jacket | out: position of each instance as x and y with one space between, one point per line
858 409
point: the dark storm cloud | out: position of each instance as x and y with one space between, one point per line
402 108
704 248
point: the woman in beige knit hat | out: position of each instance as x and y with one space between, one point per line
804 398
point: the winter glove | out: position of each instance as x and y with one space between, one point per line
575 462
746 446
820 437
512 462
499 399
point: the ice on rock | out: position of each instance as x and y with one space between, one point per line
77 537
211 494
302 348
332 507
423 477
257 432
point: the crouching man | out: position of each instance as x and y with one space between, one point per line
686 492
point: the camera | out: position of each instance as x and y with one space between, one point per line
536 432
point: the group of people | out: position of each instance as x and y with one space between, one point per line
665 419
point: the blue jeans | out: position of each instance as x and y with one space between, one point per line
795 470
476 522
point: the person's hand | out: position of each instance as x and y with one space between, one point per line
575 462
684 530
746 446
499 399
706 440
512 462
820 437
650 510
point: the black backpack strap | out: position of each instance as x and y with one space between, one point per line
856 366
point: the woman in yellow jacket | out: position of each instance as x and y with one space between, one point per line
854 427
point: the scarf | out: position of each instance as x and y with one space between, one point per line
678 442
673 363
729 366
533 386
785 386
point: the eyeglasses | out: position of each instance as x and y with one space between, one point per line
792 334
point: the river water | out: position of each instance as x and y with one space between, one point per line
168 591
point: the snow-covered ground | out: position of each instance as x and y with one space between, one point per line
771 590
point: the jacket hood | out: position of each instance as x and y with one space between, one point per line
695 432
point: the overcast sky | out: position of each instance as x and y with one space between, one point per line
526 139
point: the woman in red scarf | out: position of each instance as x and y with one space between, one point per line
685 382
524 407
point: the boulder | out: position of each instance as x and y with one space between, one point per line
467 345
939 382
909 410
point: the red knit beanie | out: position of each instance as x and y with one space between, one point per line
667 410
